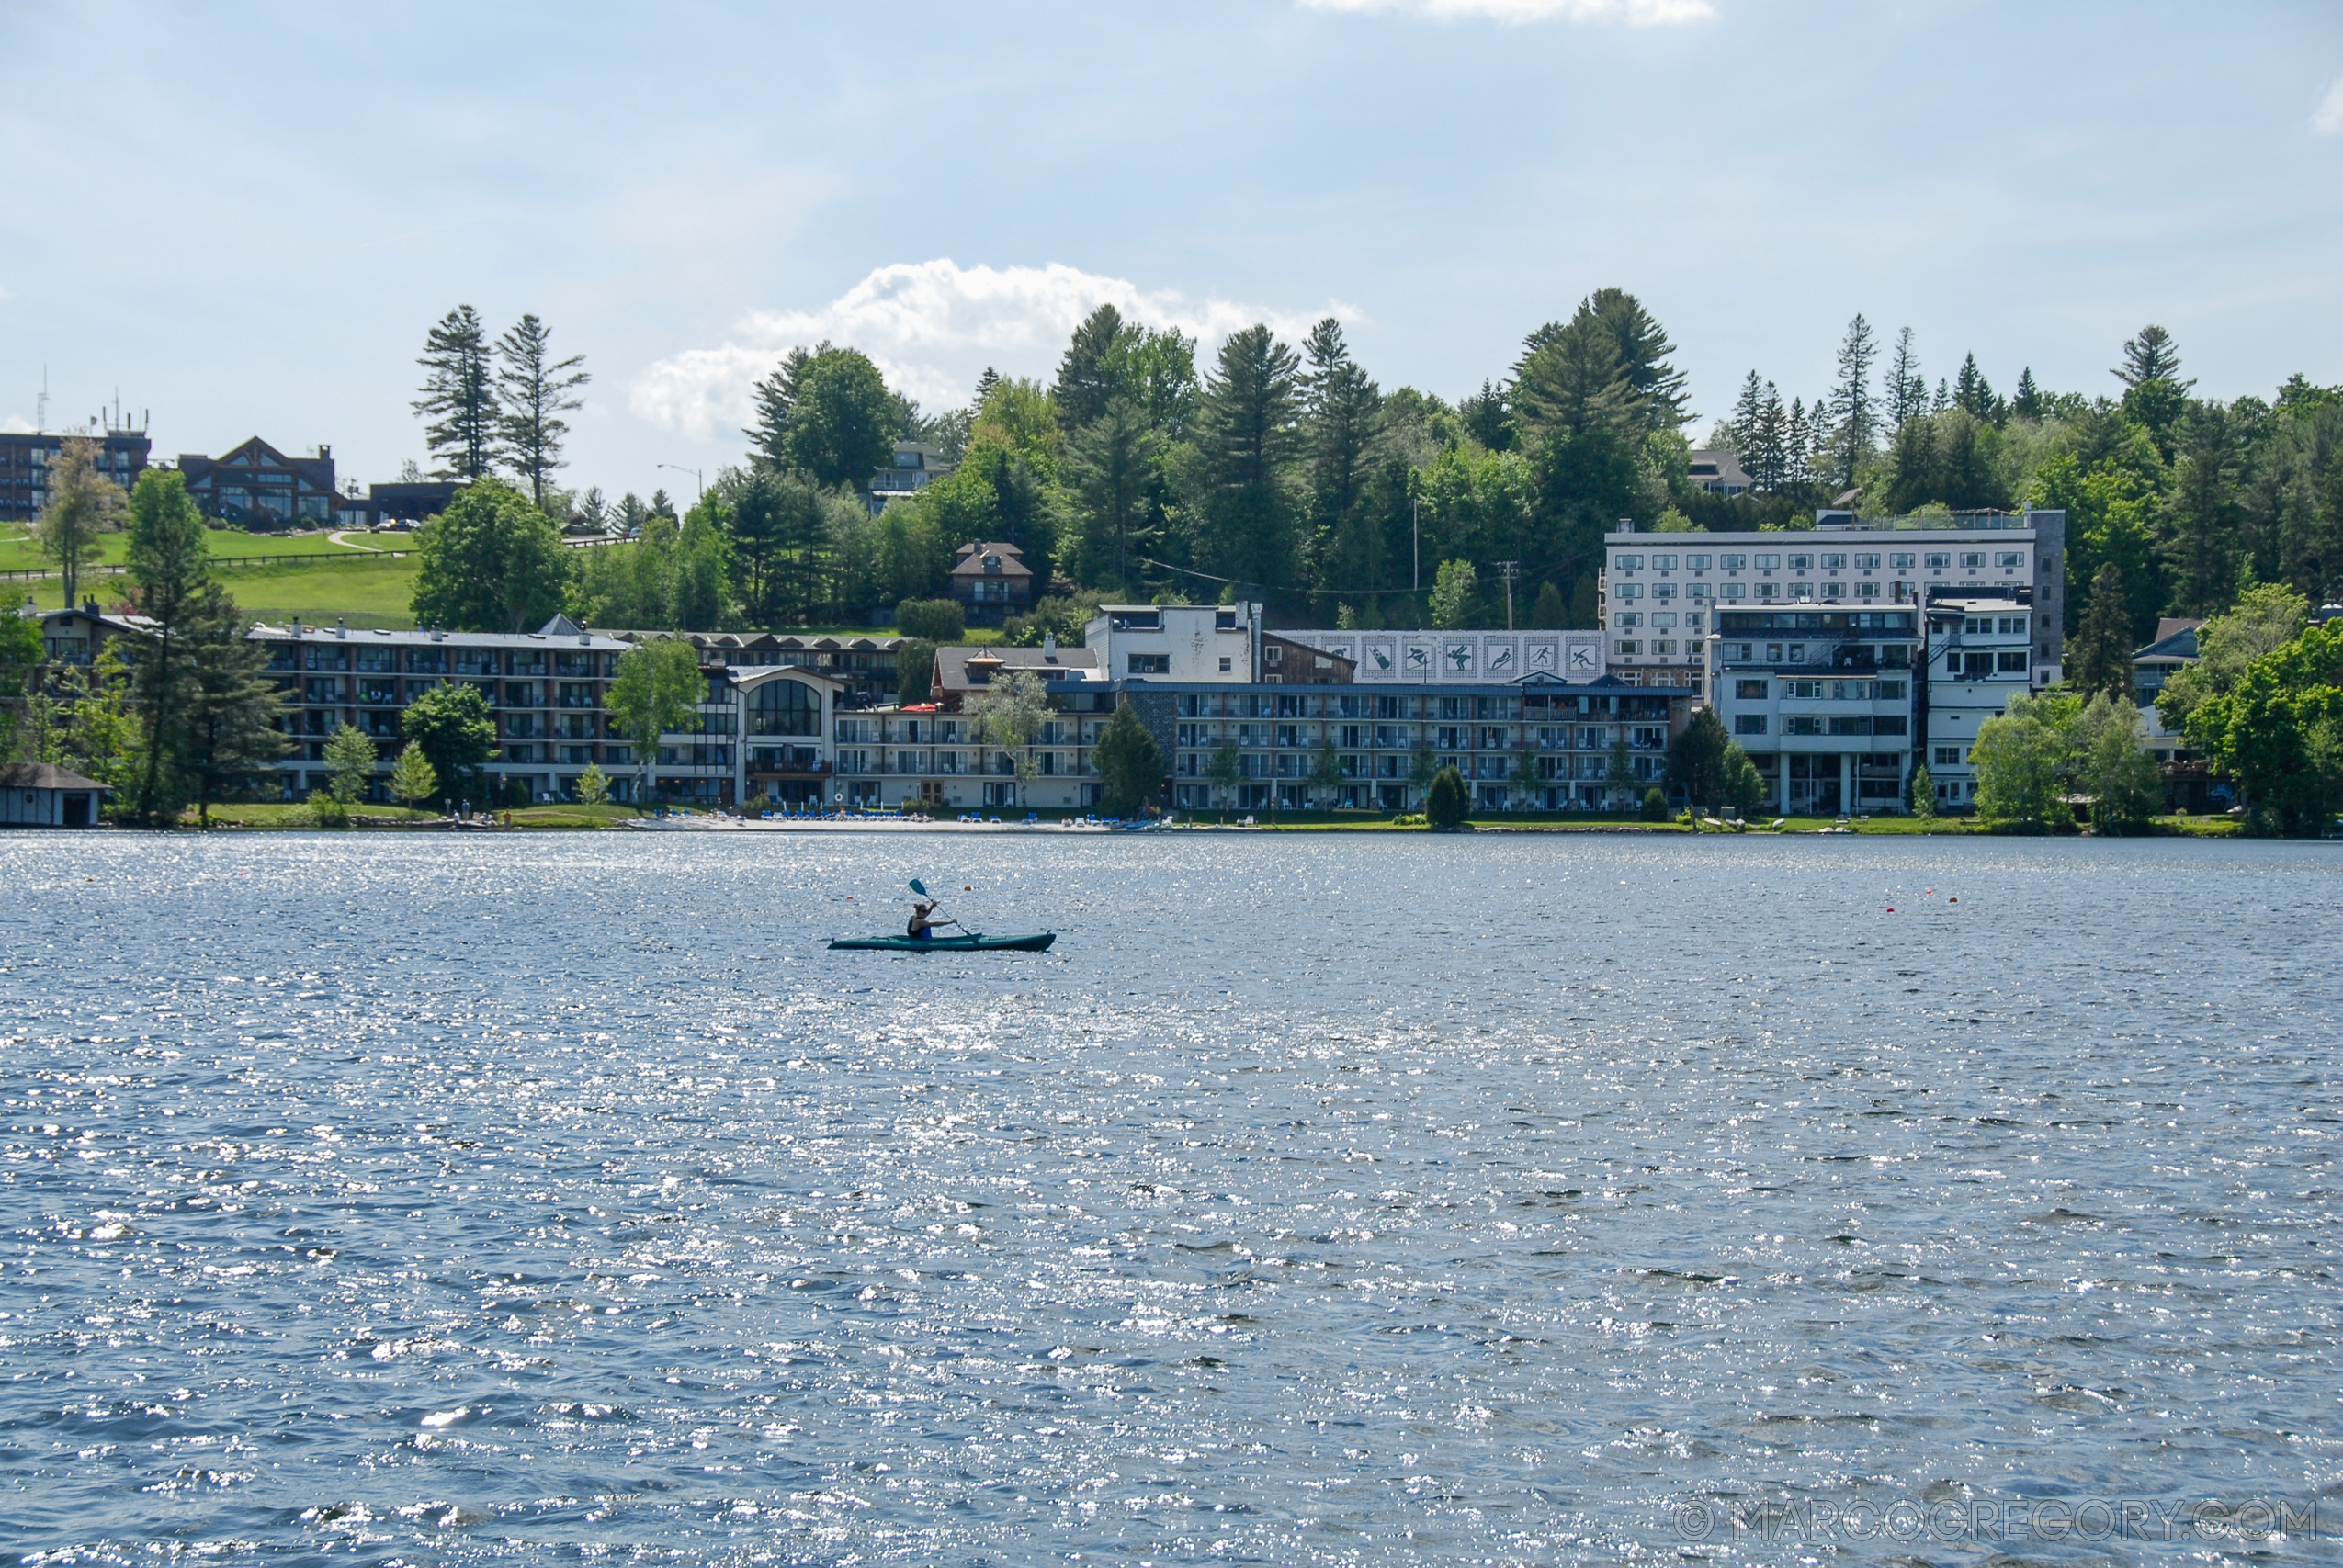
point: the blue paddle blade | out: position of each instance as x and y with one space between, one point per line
919 888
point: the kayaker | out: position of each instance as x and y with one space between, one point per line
921 926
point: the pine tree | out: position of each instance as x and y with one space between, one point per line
1920 795
1245 438
2028 402
1973 393
1341 411
1488 417
776 407
1088 371
1769 461
1109 463
1850 406
458 402
412 778
1551 613
593 786
233 718
1655 388
351 758
1749 409
2151 357
1129 761
1907 388
534 390
2102 653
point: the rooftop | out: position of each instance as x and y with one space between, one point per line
560 631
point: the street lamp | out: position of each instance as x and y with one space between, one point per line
696 476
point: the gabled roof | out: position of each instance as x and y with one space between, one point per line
2176 640
1053 663
44 776
256 457
973 558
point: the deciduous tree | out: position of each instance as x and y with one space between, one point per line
659 689
458 734
84 506
491 562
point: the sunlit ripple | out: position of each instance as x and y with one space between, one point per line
1317 1201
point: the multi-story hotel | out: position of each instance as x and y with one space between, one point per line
1660 593
26 458
1842 657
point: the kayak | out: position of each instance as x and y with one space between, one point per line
971 941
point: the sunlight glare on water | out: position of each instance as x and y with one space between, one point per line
1331 1200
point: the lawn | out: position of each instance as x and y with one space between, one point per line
16 553
367 593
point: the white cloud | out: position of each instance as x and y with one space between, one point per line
931 326
1514 13
2327 118
15 424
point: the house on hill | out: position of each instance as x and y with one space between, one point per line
992 582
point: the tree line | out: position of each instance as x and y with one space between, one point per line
1284 471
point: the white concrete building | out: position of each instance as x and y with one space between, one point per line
1660 593
1460 659
1980 654
1176 642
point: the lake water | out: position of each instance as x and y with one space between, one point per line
1326 1199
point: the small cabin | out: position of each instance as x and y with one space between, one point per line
41 795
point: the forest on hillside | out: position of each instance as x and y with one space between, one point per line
1285 472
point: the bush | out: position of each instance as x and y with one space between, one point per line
1446 802
931 620
330 809
593 786
1655 805
914 670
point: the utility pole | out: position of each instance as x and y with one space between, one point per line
697 477
1509 569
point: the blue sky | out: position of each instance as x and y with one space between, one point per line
244 217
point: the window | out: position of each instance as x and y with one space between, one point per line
1834 563
1734 589
1663 591
2010 559
377 658
1801 724
1901 560
1698 590
1748 723
1270 653
1629 647
1733 562
1223 665
1627 563
1938 561
1663 618
1852 724
1695 563
2013 625
1948 756
1629 591
783 706
1972 560
1694 621
1866 563
1750 690
1834 591
1769 591
1802 563
1974 665
1890 691
1663 563
1866 590
1629 619
1768 562
1160 663
2012 662
1740 651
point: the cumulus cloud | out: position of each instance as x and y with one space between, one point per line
15 424
2327 118
1514 13
932 326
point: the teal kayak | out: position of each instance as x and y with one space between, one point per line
971 941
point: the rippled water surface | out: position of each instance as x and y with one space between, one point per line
1511 1200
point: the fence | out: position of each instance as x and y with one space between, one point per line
116 568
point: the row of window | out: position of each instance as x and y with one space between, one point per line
1410 737
1894 655
1795 592
1825 690
383 692
1818 724
1830 560
389 659
1252 704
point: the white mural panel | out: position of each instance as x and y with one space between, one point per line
1462 657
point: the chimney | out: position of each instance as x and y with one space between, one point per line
341 627
89 604
1049 647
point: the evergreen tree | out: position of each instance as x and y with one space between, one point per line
1850 406
1446 802
1487 417
1572 382
1696 758
351 757
534 391
170 569
1550 613
1907 388
1919 795
2151 357
2102 652
2197 527
1088 373
1247 432
1655 387
1341 409
1129 761
1110 469
1973 393
234 712
593 786
2028 401
775 398
459 403
82 505
412 778
1453 595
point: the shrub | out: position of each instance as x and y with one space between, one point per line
931 620
1446 802
1655 805
329 808
593 786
